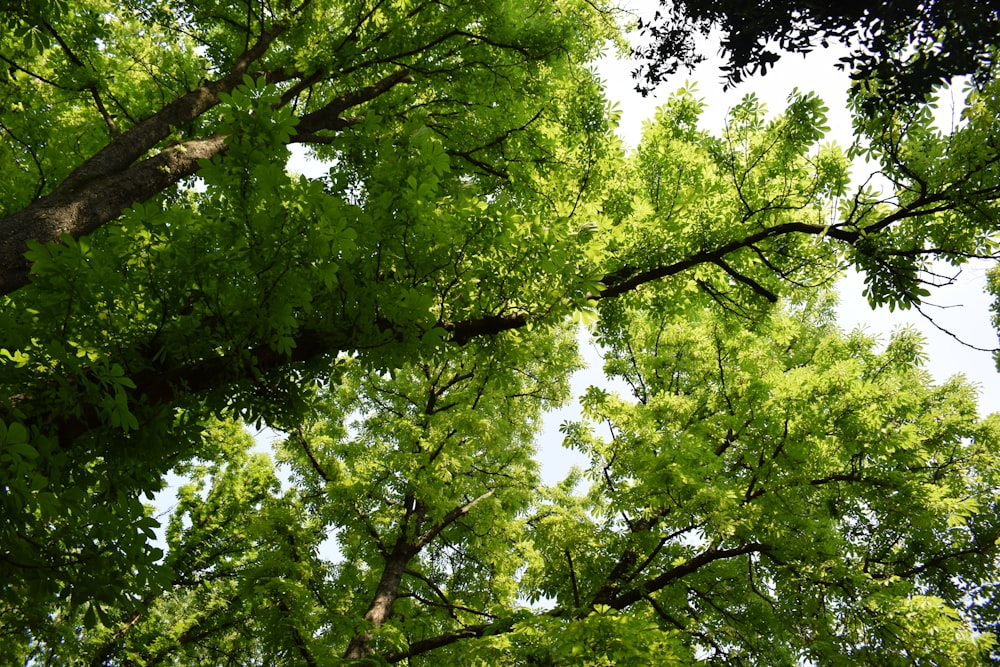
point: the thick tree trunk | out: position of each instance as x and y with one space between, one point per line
385 596
98 190
77 208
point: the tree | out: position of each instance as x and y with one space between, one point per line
763 497
157 299
909 47
176 274
770 493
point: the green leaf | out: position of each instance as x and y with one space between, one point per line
23 450
16 434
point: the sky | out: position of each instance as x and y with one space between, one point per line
961 308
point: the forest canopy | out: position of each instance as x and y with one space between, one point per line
769 489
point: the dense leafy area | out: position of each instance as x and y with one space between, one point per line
772 490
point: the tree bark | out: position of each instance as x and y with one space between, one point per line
101 188
385 596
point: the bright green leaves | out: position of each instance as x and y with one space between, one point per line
75 78
913 630
790 455
943 182
773 495
95 551
432 477
253 120
764 206
739 216
459 144
240 563
602 638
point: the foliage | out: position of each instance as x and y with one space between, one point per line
774 490
788 493
791 493
908 46
229 293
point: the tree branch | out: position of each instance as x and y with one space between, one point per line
102 187
628 278
105 185
448 519
425 645
687 567
328 117
746 280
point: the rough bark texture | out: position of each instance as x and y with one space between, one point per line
385 596
107 184
101 188
79 207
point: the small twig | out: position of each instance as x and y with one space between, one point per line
953 335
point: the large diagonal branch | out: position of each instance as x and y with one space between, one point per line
328 117
385 596
87 205
122 152
621 602
449 519
432 643
164 385
628 278
111 181
106 184
687 567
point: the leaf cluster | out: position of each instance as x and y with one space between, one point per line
908 47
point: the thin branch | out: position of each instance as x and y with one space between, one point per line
572 578
312 459
445 602
328 117
108 120
952 334
746 280
448 519
33 75
628 278
30 149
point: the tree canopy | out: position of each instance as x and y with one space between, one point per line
907 47
771 490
